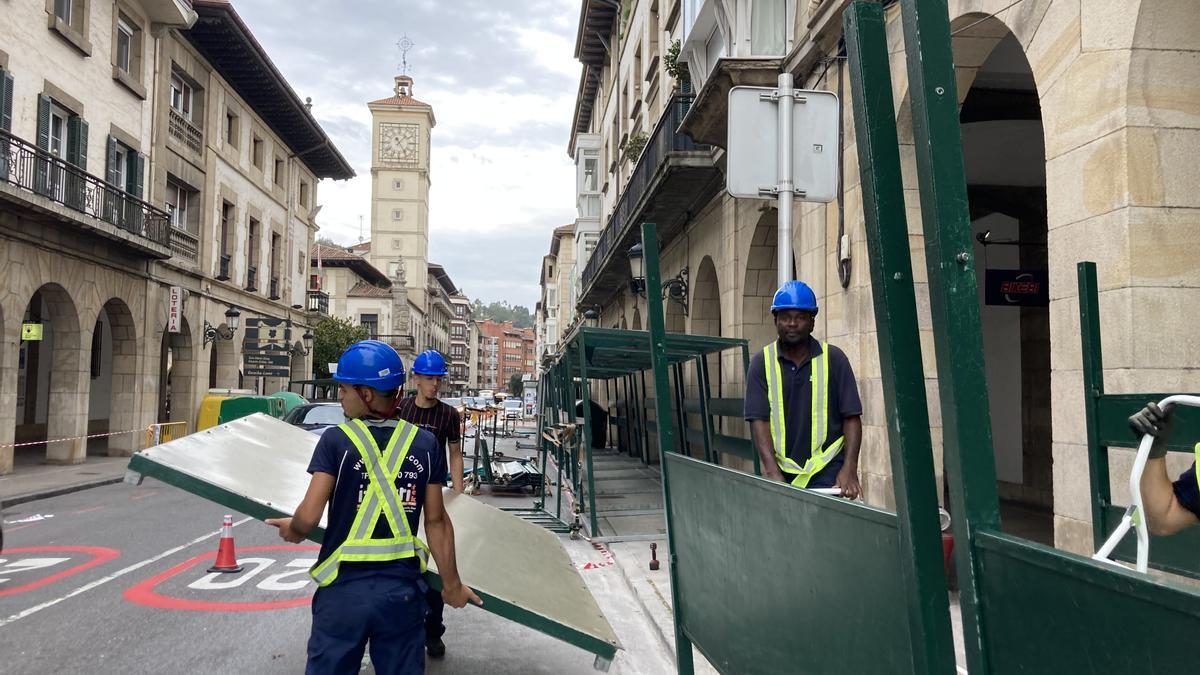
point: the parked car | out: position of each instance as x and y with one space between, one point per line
316 417
456 403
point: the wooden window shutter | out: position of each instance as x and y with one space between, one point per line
43 122
6 99
137 180
77 141
113 171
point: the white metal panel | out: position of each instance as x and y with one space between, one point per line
752 163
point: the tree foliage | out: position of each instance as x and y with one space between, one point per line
502 311
516 386
330 339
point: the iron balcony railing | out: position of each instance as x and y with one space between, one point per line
665 140
223 270
28 166
251 278
318 302
274 288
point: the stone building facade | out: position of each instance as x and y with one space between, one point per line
1079 119
136 223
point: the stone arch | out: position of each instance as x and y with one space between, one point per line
112 396
178 395
53 380
761 281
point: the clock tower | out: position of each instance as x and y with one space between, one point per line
400 132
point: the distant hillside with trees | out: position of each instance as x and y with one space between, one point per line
501 312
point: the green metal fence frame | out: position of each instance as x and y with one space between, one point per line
594 355
1107 428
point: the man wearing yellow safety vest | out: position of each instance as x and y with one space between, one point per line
377 474
802 401
1170 506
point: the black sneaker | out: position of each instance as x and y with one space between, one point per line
435 649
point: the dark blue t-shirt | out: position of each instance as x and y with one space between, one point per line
797 396
1187 491
336 455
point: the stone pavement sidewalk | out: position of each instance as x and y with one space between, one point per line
39 481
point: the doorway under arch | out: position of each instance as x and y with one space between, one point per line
112 397
761 281
52 382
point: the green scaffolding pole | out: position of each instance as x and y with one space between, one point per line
899 340
958 342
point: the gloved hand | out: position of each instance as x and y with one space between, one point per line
1154 421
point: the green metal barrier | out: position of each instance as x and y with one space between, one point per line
1107 427
1026 608
1046 611
772 579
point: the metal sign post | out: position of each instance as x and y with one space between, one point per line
799 127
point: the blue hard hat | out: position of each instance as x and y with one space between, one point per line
430 362
371 363
794 295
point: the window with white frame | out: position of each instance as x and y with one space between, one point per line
181 96
179 204
125 44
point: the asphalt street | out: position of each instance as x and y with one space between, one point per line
113 579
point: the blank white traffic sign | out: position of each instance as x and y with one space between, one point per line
752 168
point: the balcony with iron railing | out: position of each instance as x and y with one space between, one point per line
181 129
318 302
223 267
274 288
251 278
37 178
672 177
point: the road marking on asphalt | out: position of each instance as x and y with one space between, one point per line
97 555
294 579
88 510
115 575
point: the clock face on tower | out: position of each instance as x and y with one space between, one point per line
398 143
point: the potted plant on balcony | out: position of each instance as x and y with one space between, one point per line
635 145
677 70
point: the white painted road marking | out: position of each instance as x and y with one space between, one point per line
275 582
25 565
115 575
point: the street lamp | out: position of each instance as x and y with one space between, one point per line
674 289
307 348
637 269
225 331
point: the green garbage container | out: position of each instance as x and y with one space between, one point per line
234 408
290 400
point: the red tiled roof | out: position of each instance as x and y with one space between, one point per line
399 100
365 290
361 246
326 252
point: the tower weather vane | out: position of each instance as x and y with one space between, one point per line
404 44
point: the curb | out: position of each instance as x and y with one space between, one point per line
15 500
667 643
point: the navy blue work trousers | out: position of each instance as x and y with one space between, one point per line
383 612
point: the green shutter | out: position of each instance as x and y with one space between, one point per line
113 171
77 134
6 99
43 124
42 180
137 171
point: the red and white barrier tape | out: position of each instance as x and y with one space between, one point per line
72 438
608 558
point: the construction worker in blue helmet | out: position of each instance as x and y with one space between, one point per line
802 401
425 410
370 585
1170 506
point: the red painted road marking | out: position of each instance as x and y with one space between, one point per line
143 496
94 508
100 555
608 559
144 593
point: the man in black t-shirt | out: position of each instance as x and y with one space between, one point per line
443 421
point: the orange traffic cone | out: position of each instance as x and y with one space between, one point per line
226 558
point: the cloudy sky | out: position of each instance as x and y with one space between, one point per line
501 77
